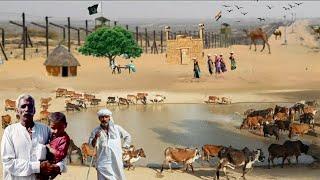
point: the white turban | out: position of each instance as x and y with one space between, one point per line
104 112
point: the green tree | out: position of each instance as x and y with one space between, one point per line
110 43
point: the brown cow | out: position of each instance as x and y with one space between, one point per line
252 122
281 116
132 98
123 101
180 155
131 156
88 97
210 150
87 151
61 92
142 97
309 109
298 129
9 105
213 99
6 120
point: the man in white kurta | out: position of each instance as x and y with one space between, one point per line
107 139
21 144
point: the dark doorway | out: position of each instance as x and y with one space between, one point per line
64 71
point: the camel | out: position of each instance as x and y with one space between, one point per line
277 33
258 34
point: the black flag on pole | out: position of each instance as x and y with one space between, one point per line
93 9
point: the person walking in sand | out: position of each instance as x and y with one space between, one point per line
217 64
223 64
196 68
210 64
232 61
107 140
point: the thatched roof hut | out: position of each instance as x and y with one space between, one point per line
60 62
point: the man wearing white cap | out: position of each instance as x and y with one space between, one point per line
107 139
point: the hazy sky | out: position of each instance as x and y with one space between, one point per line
117 10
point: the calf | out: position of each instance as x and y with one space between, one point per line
298 129
271 129
210 150
87 151
9 105
133 156
180 155
232 158
5 121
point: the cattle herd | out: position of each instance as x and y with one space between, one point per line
297 119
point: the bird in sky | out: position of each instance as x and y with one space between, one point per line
238 7
230 10
238 21
244 13
270 7
285 8
298 4
226 6
261 19
291 6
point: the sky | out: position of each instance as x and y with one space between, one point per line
117 10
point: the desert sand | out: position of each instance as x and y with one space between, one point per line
290 73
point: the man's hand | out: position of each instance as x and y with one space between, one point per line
97 135
48 169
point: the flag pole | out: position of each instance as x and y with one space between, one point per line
101 8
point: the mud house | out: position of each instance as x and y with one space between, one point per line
60 62
182 49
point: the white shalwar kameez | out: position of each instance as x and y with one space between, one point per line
18 151
109 162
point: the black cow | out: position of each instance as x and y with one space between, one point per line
298 107
232 158
307 118
289 148
271 129
283 125
281 109
264 113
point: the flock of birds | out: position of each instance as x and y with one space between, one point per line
240 8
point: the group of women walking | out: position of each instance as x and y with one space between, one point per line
218 64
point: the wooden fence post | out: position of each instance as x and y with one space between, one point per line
137 34
24 36
47 36
69 43
161 41
146 39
